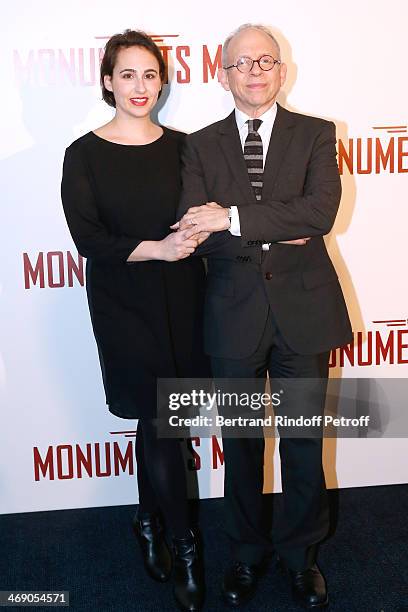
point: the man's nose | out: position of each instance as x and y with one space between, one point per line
256 68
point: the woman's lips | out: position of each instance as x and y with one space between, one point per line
138 101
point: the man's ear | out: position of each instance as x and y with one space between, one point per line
107 81
283 71
223 78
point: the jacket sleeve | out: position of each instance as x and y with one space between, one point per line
194 193
311 214
90 235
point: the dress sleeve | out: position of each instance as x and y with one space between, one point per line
91 237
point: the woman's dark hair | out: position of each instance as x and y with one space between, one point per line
129 38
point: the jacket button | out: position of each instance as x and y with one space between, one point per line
268 275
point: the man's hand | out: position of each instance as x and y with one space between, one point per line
202 220
297 242
190 232
210 217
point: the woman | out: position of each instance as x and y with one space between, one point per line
120 190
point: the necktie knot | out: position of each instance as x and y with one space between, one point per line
254 125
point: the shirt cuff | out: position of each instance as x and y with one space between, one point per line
235 227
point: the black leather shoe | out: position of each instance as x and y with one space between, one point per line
309 588
156 554
189 584
240 584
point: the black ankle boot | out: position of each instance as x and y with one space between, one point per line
189 586
156 554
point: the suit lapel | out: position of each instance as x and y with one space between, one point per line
231 147
281 136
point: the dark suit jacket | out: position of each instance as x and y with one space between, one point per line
300 198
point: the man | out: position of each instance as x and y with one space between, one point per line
274 304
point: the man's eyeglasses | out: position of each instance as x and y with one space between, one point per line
245 64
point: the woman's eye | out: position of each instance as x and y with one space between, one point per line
127 75
150 75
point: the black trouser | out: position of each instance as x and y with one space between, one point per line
304 519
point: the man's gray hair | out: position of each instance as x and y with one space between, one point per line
247 26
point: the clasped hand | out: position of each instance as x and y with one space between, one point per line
211 217
178 245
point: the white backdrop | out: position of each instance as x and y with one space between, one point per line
59 446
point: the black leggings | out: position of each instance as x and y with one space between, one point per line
161 478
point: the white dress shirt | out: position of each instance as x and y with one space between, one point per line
265 132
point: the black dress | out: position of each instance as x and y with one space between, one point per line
146 316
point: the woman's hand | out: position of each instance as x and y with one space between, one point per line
177 245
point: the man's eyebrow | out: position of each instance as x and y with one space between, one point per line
133 70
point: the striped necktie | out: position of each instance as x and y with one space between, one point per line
253 154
